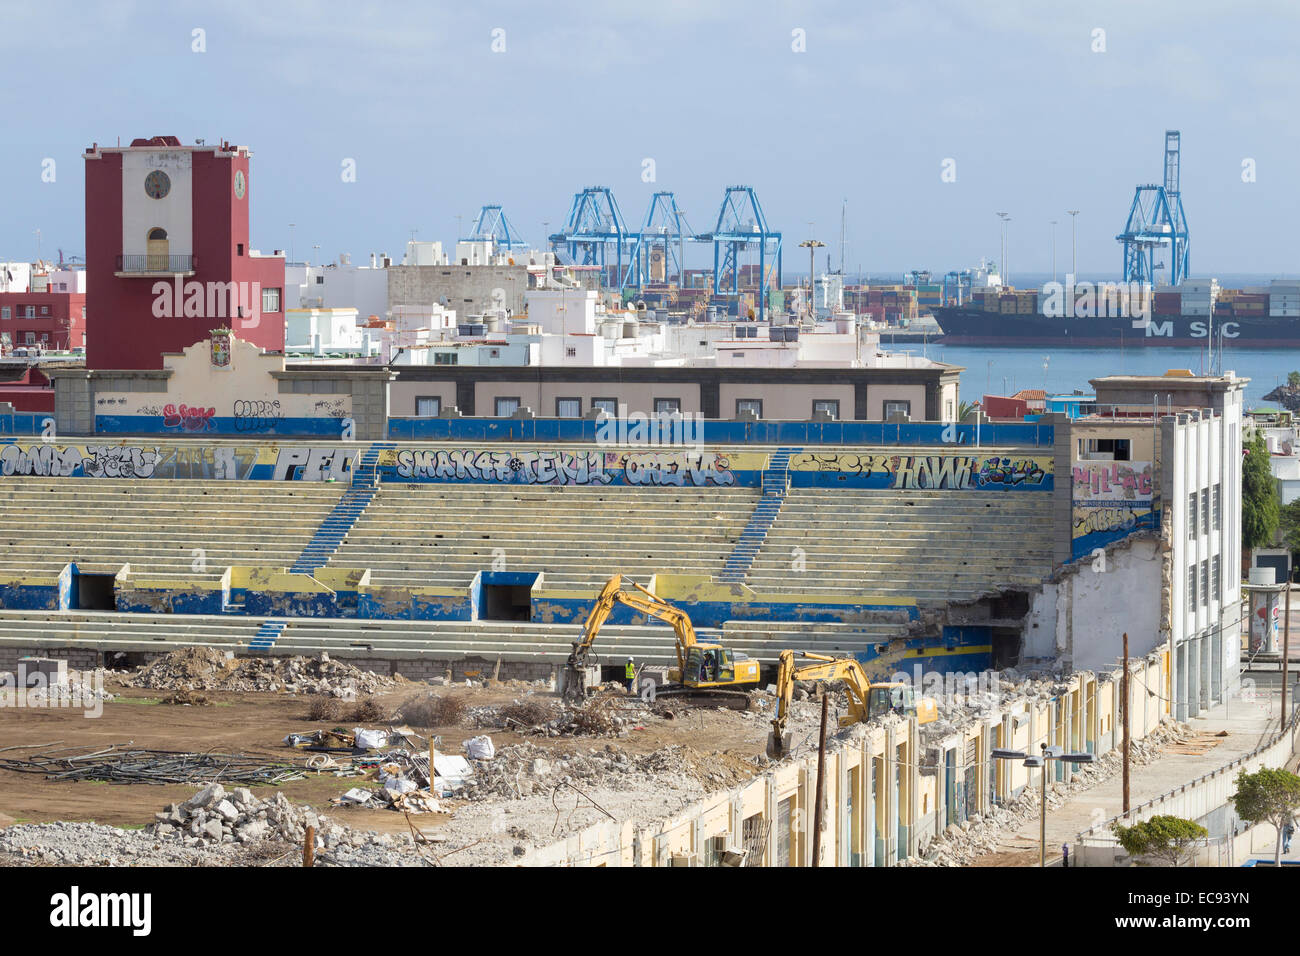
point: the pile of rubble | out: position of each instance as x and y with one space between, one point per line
70 689
214 816
524 770
270 833
981 834
208 669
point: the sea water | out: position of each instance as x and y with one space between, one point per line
1004 371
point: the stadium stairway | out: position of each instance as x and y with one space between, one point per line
775 483
337 524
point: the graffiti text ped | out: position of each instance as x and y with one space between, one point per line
665 429
209 300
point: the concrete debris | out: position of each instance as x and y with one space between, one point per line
71 689
522 770
959 845
208 669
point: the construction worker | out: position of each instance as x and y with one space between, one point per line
629 674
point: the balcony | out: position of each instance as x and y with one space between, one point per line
155 265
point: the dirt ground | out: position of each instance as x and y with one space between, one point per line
256 723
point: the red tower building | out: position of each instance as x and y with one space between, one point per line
167 253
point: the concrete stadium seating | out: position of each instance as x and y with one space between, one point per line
512 642
934 546
156 525
442 534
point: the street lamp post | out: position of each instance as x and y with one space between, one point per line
1053 250
1074 265
1006 277
812 245
1041 762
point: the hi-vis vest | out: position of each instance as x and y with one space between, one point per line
630 670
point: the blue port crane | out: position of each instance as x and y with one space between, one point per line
740 225
593 226
664 227
493 226
1157 223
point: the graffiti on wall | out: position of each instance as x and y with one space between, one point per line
936 472
562 467
187 418
256 415
1110 499
221 462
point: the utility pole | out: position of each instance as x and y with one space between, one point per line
821 782
1053 250
1042 816
1125 691
1074 265
1286 649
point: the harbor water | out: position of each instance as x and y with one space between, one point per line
1003 371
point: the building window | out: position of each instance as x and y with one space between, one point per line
748 406
1107 449
947 410
1191 587
568 408
1215 510
4 311
667 406
1205 583
239 248
607 405
31 338
428 406
29 311
898 407
827 406
571 351
445 358
320 280
507 407
738 355
1216 581
45 310
1191 517
1205 510
270 300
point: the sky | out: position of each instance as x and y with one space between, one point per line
927 117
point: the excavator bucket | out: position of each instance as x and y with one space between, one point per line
778 746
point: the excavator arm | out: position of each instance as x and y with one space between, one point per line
647 603
864 695
857 685
600 611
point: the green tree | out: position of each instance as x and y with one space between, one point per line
1163 839
1260 510
1268 796
1293 379
1289 522
964 409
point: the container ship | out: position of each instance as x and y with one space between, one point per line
1114 314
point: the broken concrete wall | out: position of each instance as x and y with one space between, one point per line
1080 616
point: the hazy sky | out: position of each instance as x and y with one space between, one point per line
714 92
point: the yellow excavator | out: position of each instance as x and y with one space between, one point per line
866 699
703 671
